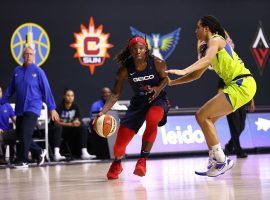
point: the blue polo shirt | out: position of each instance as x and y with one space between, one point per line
6 112
32 88
96 107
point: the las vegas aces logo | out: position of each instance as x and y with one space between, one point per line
260 48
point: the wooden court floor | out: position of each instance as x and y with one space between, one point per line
166 179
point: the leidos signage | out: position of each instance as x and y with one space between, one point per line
188 136
260 48
91 46
179 135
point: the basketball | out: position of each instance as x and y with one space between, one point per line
105 125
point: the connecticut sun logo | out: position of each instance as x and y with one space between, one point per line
34 35
91 46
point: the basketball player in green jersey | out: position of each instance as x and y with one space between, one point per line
240 87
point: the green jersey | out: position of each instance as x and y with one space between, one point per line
227 64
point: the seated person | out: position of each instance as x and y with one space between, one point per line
69 126
98 105
7 135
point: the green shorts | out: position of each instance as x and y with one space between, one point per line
240 91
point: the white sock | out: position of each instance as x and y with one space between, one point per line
84 151
56 151
218 153
211 154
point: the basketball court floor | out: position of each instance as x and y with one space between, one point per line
166 179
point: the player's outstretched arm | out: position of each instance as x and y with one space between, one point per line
187 78
204 62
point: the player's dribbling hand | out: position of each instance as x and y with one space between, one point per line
95 119
155 91
98 115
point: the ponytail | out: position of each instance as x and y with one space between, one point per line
213 24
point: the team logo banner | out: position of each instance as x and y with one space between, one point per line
260 48
160 46
34 35
91 46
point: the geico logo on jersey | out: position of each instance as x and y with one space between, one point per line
188 136
143 78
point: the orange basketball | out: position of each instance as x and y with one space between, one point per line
105 125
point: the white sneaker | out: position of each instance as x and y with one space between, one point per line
42 157
220 168
87 156
211 162
58 157
21 165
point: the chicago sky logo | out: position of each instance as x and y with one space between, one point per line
91 46
160 46
260 48
33 35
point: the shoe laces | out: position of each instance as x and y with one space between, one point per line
211 162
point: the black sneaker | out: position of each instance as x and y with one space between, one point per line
12 160
42 157
21 165
228 150
241 154
3 161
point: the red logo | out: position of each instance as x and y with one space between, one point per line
91 46
260 48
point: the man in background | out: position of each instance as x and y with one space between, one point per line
98 105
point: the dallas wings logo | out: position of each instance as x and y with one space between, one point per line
91 46
260 48
34 35
160 46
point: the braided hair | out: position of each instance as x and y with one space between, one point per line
202 47
124 54
213 24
